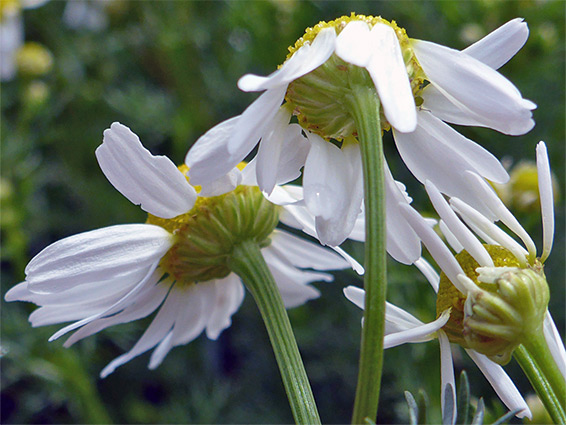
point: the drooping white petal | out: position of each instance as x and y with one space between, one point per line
156 332
435 246
333 227
501 383
294 154
224 184
254 122
229 297
403 243
457 228
354 44
555 344
270 149
304 254
97 256
449 236
208 159
419 333
495 204
146 303
546 199
152 182
428 271
496 48
303 61
470 215
448 383
488 96
355 295
389 74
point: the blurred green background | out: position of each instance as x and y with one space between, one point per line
168 70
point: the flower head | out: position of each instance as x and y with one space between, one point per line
419 84
175 263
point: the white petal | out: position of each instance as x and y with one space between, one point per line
420 333
447 373
254 122
403 243
495 204
153 182
501 383
546 199
224 184
303 61
156 332
355 295
12 38
354 264
146 303
208 159
229 297
457 228
354 44
304 254
435 246
496 48
348 186
555 344
472 85
98 255
428 271
449 236
294 154
389 74
270 149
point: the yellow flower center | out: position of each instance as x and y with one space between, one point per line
318 98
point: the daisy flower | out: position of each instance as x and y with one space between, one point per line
492 294
420 86
175 263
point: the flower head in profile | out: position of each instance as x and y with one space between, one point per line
491 293
175 263
420 85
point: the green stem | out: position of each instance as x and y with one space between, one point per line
364 105
542 376
248 263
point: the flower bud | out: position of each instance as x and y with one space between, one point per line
33 59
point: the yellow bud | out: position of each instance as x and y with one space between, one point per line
34 60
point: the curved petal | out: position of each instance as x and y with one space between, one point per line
496 48
501 383
555 344
389 74
229 297
546 199
428 271
208 159
97 256
305 60
153 182
293 155
403 244
224 184
354 44
474 86
419 333
355 295
254 122
447 376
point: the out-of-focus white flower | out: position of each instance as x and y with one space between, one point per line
175 263
316 82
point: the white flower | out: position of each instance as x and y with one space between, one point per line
464 89
123 273
466 228
12 33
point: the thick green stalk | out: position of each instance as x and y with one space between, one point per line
544 376
364 105
248 263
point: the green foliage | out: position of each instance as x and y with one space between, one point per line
168 70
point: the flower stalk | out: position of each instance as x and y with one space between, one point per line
364 105
537 362
248 263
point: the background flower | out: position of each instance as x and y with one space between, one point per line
170 70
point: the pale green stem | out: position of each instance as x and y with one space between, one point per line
536 361
248 263
364 105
